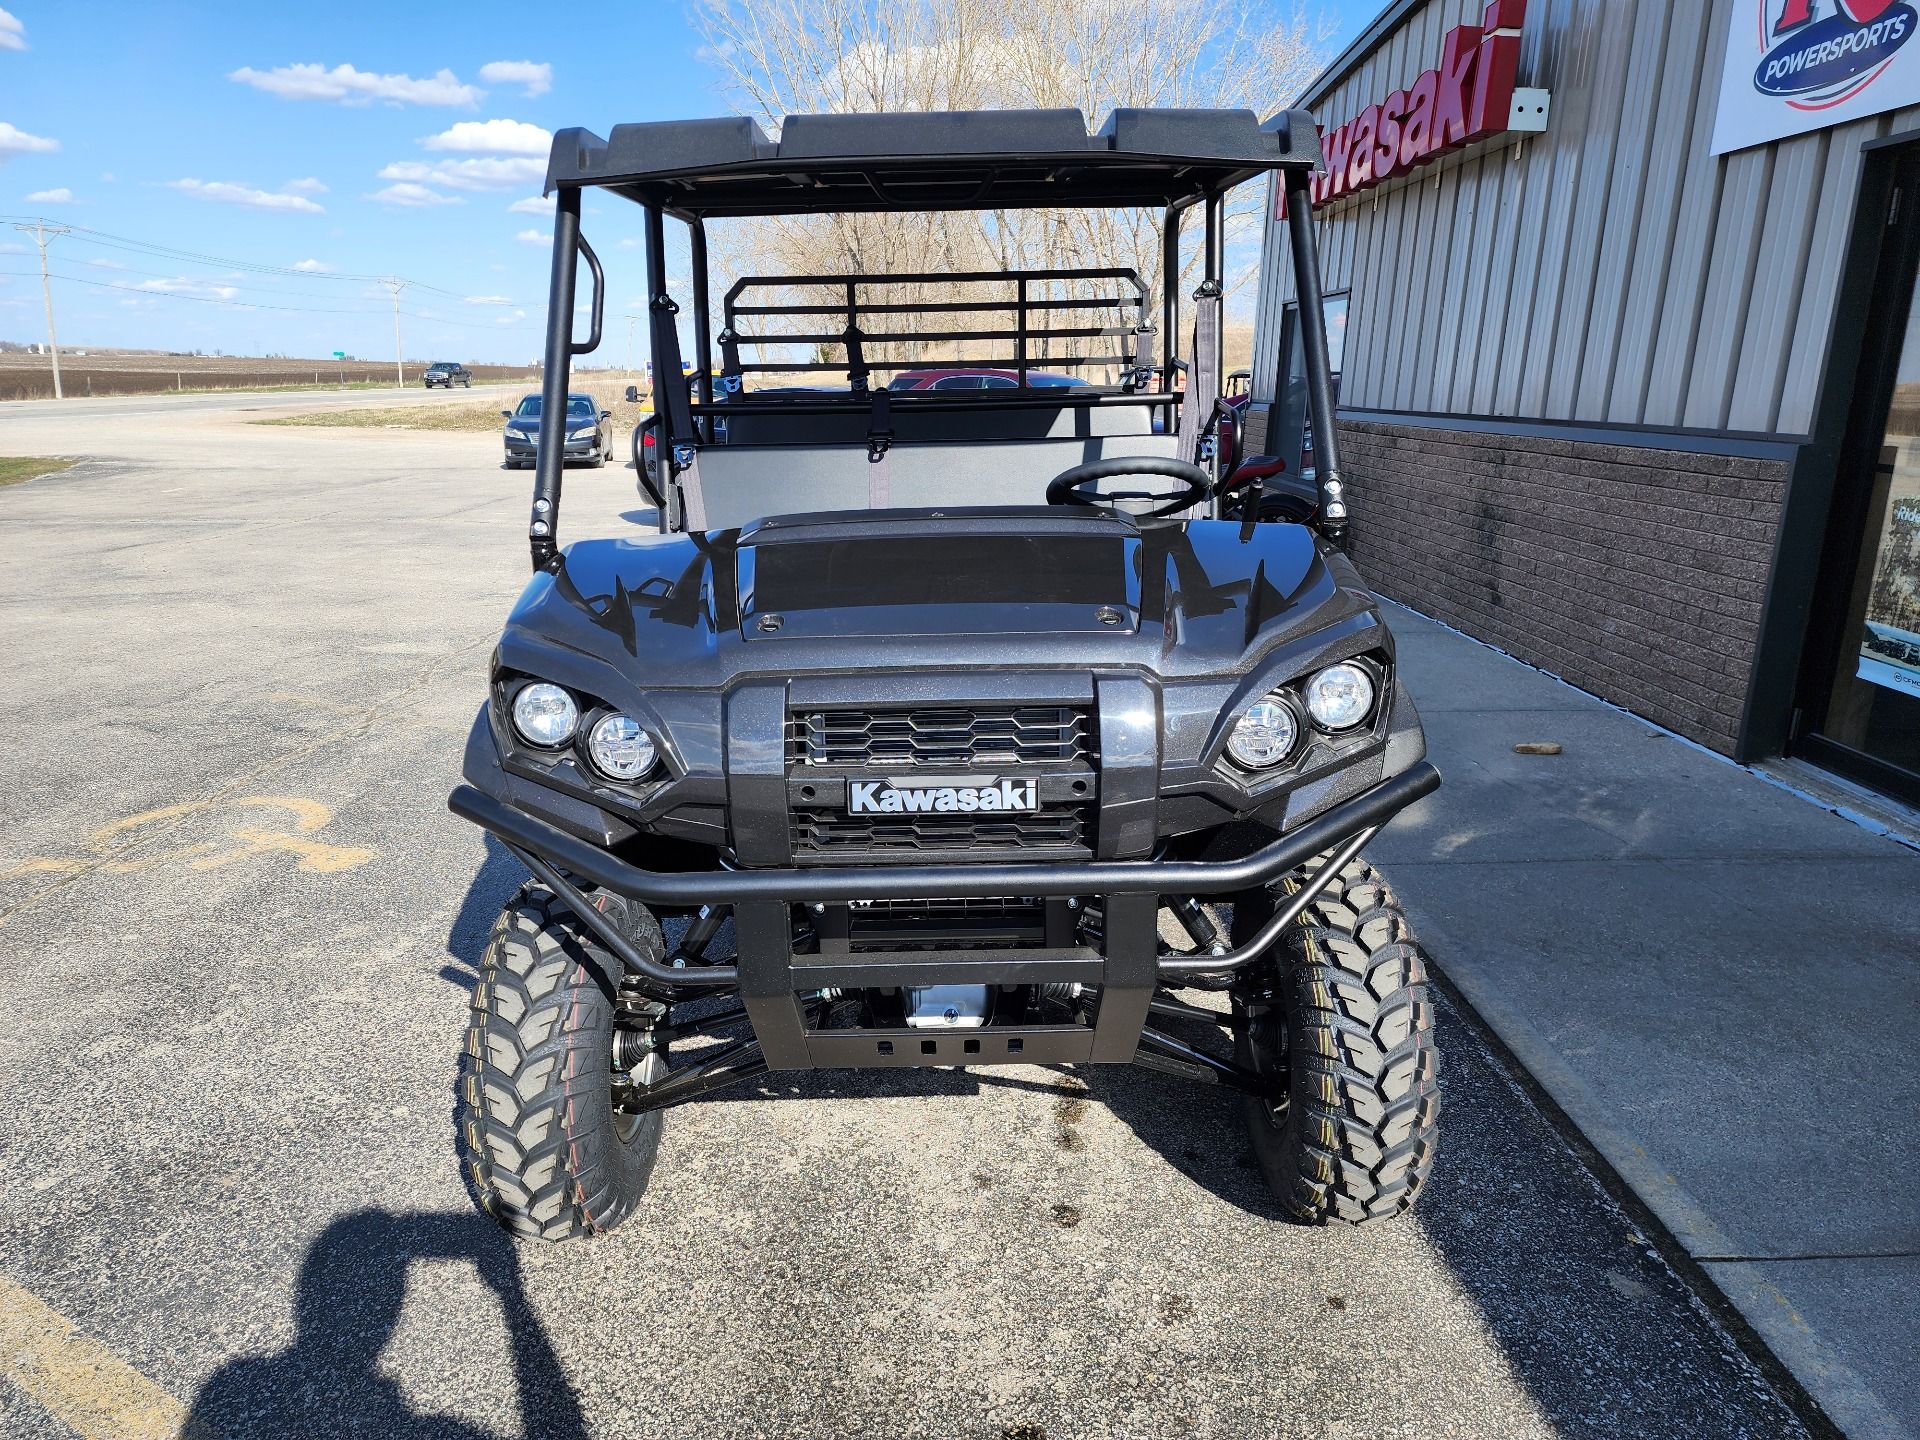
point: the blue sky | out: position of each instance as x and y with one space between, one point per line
334 142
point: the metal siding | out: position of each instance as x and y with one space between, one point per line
1632 274
1780 269
1608 270
1605 211
1730 262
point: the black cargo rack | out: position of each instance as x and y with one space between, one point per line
1025 344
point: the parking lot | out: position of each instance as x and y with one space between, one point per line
238 929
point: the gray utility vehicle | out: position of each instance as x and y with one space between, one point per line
975 748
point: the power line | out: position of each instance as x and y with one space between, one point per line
199 257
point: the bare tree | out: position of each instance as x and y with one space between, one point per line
785 57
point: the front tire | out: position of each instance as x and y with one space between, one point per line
548 1155
1339 1021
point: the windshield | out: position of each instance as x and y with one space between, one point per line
579 407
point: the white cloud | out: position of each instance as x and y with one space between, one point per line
106 264
487 300
534 237
492 137
532 205
308 186
61 196
13 36
413 197
231 194
488 172
514 319
186 286
8 247
534 78
18 142
349 86
313 267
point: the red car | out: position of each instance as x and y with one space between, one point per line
980 379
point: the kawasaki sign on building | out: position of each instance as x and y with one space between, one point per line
1799 65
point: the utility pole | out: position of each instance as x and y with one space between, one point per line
632 320
41 234
394 287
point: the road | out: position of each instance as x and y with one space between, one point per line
237 932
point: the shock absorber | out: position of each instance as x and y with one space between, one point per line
1194 919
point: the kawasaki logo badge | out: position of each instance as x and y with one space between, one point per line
941 796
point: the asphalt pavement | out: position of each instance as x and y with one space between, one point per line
237 931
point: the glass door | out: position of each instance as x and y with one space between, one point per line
1861 714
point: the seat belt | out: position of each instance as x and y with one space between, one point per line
879 442
679 444
1203 373
856 359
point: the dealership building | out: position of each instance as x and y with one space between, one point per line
1621 299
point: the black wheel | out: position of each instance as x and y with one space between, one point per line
1339 1022
548 1155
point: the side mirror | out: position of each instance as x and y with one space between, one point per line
506 414
606 414
633 394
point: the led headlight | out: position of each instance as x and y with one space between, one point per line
545 715
620 749
1340 697
1263 736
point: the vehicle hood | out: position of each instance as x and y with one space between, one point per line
532 427
918 590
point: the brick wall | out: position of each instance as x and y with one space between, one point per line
1634 573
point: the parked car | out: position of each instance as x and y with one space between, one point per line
941 735
589 432
447 374
980 379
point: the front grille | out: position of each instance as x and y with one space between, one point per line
1052 828
951 736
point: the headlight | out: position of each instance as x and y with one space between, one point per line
516 434
1263 735
1340 697
621 750
545 715
581 433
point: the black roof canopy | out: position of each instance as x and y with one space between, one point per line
938 160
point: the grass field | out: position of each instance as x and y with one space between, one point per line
477 416
98 372
15 468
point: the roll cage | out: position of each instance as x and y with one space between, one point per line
692 171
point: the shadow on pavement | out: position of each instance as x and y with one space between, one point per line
1607 1340
352 1285
493 884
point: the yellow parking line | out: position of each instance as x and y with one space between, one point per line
76 1378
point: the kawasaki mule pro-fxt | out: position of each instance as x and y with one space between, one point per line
940 718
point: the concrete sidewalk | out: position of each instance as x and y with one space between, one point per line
1717 980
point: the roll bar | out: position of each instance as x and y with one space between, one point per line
688 425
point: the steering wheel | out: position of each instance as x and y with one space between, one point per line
1069 487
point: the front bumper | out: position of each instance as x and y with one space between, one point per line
528 451
774 981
